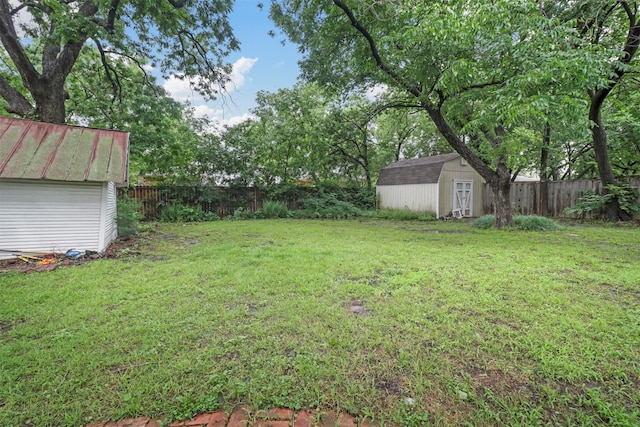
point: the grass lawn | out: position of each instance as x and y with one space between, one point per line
409 322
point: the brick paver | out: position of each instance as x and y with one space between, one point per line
243 417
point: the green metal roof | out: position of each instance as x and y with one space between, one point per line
36 150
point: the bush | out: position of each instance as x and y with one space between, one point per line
592 202
522 222
242 213
177 212
484 222
210 216
534 223
128 217
273 209
326 205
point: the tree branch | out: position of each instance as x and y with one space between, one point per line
110 72
18 104
598 20
12 45
138 63
414 90
112 15
69 55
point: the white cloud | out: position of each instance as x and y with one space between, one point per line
236 120
206 111
182 89
219 125
240 69
218 121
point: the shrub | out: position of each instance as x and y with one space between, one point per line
178 212
326 205
522 222
242 213
209 216
273 209
592 202
128 217
534 223
484 222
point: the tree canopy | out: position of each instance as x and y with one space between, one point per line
44 39
478 69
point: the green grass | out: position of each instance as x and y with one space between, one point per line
478 327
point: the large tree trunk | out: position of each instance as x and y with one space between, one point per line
501 187
50 98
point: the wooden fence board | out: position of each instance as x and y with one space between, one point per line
526 196
225 202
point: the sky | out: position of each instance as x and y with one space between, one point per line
262 63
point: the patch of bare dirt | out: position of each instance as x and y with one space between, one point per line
30 263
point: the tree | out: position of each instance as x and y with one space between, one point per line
485 63
43 40
631 25
292 134
611 28
405 134
351 136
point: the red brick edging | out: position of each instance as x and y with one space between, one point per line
242 417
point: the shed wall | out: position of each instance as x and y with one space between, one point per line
454 170
110 215
50 216
416 197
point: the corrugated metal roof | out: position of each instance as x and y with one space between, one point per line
36 150
425 170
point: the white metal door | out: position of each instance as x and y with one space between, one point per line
463 197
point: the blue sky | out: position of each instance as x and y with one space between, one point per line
262 63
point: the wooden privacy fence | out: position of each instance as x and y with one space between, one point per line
221 200
526 196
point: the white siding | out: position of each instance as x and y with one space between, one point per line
49 216
416 197
108 215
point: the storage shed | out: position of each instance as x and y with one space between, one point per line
442 184
58 186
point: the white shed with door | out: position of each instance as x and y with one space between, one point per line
58 186
443 184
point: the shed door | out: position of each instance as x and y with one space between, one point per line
463 197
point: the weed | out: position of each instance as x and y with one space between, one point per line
400 215
178 212
129 217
